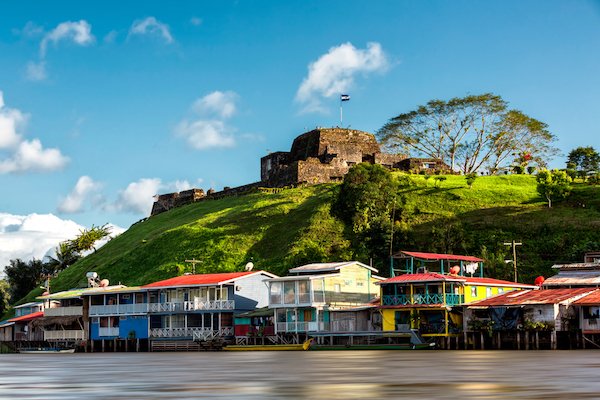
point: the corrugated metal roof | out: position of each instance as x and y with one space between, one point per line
574 278
33 303
28 317
203 279
325 267
435 277
584 266
438 256
591 299
526 297
76 293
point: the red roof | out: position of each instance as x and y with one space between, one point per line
200 279
524 297
28 317
436 256
492 281
591 299
435 277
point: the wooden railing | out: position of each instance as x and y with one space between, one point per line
64 335
405 299
192 306
114 331
63 311
299 326
195 333
119 309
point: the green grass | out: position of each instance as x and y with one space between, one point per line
283 230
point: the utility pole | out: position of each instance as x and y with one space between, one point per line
193 261
514 250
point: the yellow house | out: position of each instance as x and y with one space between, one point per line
323 297
431 301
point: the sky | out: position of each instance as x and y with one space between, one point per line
105 104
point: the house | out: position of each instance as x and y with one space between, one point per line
527 312
429 293
201 307
118 316
589 314
323 297
585 274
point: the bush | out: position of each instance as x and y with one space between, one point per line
471 179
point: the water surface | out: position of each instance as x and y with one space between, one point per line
303 375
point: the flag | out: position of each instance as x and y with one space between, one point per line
344 97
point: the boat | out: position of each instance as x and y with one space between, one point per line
45 350
270 347
406 346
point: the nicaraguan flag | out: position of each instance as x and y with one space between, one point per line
344 97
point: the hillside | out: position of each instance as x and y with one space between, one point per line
280 230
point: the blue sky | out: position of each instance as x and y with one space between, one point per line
117 101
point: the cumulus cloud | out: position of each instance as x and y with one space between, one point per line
334 73
24 155
151 26
36 235
210 128
86 190
79 32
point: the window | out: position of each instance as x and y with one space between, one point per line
303 292
473 291
500 290
337 288
317 286
289 292
488 292
276 292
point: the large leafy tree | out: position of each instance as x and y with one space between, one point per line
584 160
365 203
87 238
65 255
4 296
553 185
469 133
23 276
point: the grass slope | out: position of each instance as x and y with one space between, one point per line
282 230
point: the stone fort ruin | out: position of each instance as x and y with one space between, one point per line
319 156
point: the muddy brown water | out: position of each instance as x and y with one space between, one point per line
304 375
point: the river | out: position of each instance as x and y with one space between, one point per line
303 375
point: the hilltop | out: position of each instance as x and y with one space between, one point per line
280 229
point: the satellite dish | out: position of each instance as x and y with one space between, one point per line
104 283
249 266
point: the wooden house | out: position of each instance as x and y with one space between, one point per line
201 307
324 297
589 318
431 289
523 315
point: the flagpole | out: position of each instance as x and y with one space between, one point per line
341 113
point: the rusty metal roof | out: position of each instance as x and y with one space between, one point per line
591 299
578 266
528 297
574 278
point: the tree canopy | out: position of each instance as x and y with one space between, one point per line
584 160
553 185
470 133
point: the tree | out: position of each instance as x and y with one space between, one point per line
88 237
65 255
471 179
365 203
469 133
23 276
4 296
553 185
584 160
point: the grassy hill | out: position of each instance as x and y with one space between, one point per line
278 231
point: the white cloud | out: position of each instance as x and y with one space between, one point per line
86 190
210 130
36 71
11 121
196 21
25 155
217 103
334 73
31 156
151 26
30 30
79 32
111 36
36 235
138 196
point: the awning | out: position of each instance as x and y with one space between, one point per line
28 317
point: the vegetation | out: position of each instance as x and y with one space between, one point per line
553 185
583 161
470 133
296 226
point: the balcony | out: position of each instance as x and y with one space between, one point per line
64 335
197 305
301 326
406 299
63 311
114 331
119 309
195 333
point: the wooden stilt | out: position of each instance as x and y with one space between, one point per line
137 345
103 345
482 342
518 340
537 340
553 340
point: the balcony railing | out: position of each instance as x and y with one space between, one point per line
63 311
196 305
405 299
64 335
114 331
119 309
300 326
195 333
